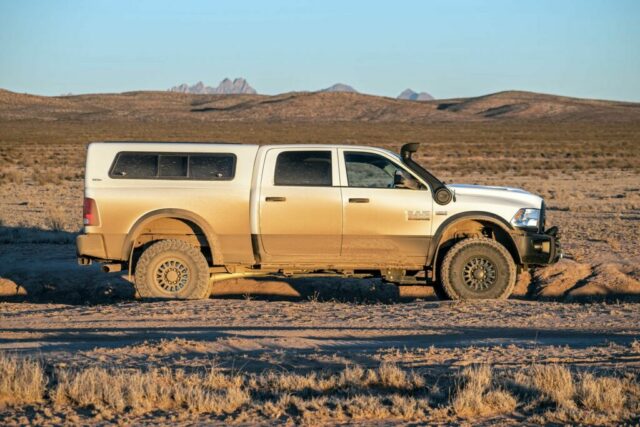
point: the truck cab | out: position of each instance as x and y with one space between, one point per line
179 216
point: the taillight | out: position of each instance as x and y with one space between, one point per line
90 212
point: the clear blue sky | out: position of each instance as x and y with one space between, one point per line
450 48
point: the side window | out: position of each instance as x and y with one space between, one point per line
172 166
310 168
135 165
375 171
220 166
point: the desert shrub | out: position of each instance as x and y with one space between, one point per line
392 376
604 394
22 380
477 395
555 383
598 401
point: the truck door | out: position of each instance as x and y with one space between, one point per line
300 203
387 212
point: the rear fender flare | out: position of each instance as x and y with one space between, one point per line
138 226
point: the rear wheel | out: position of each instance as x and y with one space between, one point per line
172 269
478 268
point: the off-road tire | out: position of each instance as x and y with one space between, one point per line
470 264
172 269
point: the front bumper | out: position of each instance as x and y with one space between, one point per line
539 248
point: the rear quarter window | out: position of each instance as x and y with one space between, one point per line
212 166
131 165
174 166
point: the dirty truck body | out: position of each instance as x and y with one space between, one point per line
179 216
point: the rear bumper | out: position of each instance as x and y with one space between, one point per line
539 248
90 246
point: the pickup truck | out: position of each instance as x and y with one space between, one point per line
180 216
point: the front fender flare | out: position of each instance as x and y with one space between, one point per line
465 216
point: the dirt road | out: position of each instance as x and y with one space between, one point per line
255 335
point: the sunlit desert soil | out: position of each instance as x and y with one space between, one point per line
76 347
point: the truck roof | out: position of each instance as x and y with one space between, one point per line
227 144
169 142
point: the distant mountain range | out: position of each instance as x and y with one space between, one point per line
407 94
226 87
410 95
339 87
310 107
241 86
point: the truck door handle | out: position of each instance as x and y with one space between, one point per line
358 200
275 199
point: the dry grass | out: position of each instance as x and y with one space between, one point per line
601 394
353 394
478 396
139 392
22 381
555 383
213 392
581 398
388 376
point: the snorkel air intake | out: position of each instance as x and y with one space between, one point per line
441 194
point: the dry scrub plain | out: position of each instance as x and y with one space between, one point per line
77 348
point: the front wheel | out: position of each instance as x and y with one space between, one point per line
172 269
478 268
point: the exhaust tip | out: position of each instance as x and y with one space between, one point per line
111 268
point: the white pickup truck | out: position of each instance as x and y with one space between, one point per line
179 216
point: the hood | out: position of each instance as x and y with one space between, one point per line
523 198
504 201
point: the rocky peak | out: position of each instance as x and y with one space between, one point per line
226 86
339 87
410 95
